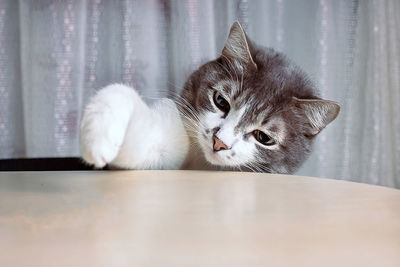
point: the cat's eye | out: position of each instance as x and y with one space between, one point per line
263 138
221 102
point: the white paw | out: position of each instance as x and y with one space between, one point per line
104 124
101 154
101 138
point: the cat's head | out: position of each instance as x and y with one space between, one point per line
253 109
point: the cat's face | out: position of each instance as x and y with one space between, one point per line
251 109
234 129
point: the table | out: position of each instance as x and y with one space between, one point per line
193 218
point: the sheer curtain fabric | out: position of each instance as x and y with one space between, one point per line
55 54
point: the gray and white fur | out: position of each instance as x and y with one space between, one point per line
250 109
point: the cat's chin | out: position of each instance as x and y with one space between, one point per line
217 158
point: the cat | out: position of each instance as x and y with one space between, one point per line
250 109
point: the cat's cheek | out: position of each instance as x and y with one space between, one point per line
209 121
244 152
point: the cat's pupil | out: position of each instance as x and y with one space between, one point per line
221 103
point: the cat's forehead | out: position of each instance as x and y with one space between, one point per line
242 95
254 110
238 93
227 87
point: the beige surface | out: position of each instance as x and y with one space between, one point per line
182 218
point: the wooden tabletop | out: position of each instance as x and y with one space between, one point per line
190 218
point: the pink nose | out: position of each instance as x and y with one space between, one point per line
218 144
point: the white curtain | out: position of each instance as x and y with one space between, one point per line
55 54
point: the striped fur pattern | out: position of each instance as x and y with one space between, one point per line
266 92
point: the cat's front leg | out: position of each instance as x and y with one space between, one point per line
155 139
120 129
105 121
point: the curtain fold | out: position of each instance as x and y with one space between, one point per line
55 54
371 150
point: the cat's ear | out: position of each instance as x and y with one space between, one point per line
237 46
319 112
